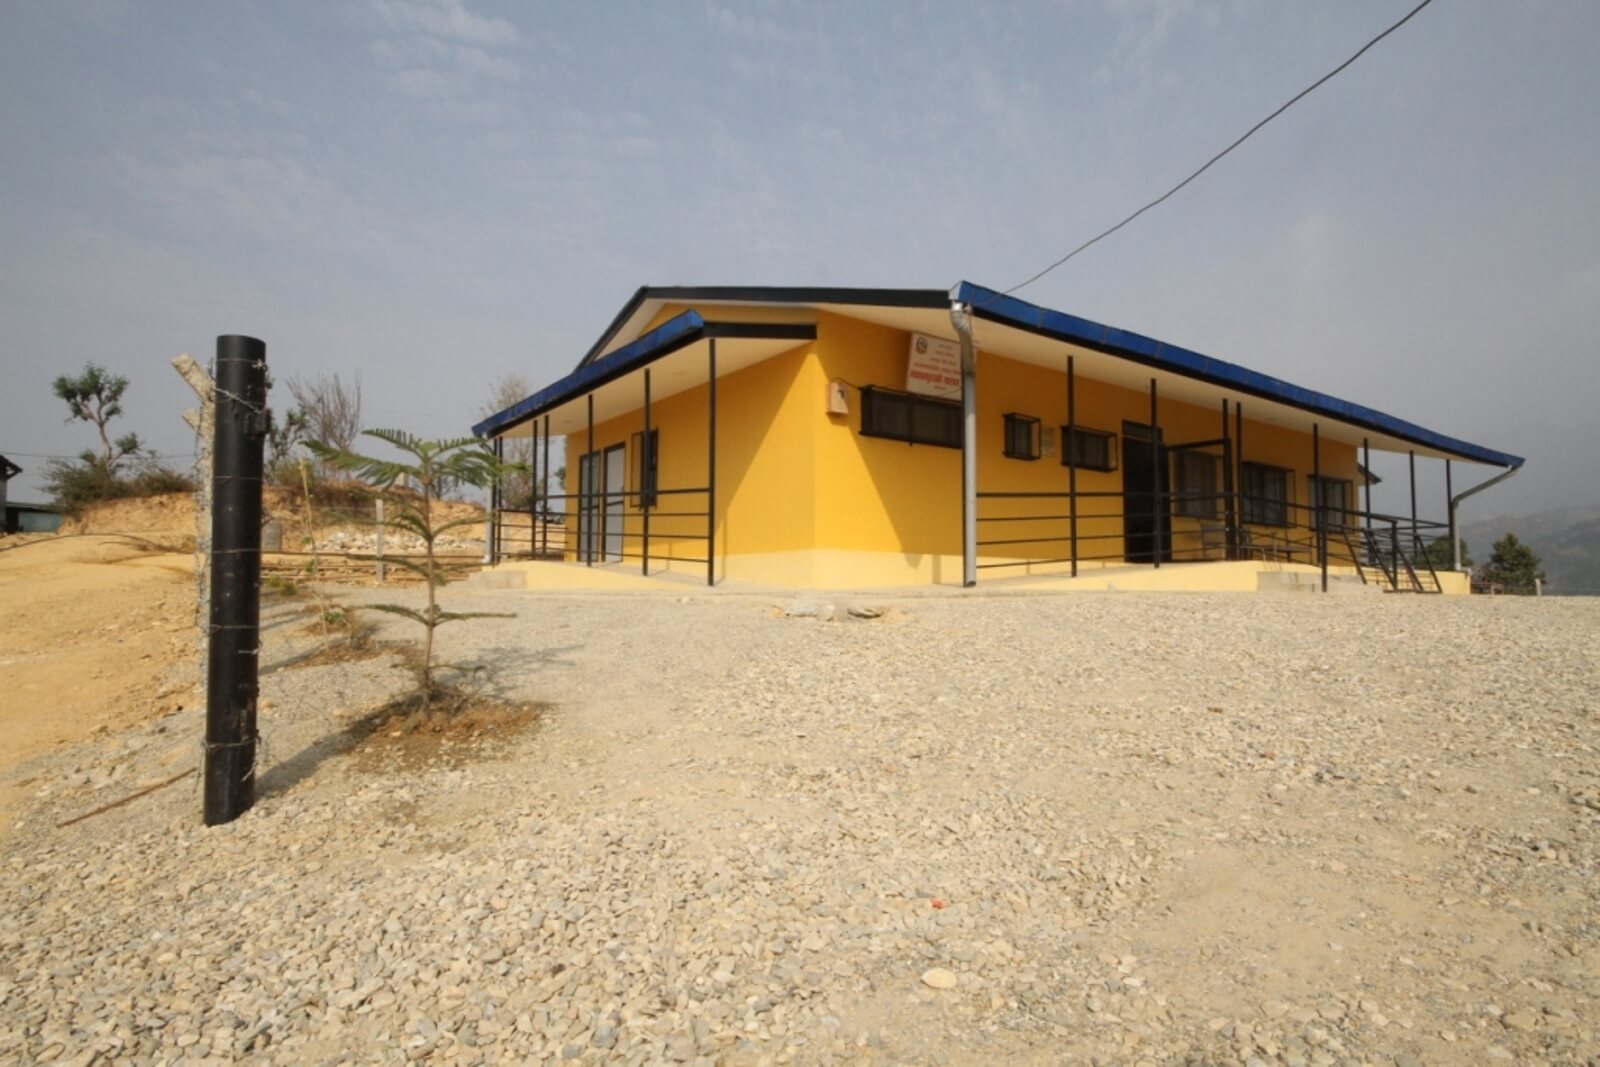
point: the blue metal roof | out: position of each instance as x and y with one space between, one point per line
997 307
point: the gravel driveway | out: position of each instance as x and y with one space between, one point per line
984 829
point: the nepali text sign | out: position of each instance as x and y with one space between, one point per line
934 368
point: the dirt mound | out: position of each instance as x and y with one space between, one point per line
169 513
174 514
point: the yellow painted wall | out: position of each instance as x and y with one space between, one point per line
813 498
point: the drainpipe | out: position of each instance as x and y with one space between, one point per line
961 319
1455 504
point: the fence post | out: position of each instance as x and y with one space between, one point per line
233 681
378 549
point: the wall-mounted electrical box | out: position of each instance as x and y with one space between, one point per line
838 404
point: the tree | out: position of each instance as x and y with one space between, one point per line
96 396
330 409
517 491
1441 556
1512 566
283 437
462 461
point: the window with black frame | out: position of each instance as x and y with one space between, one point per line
1331 497
1194 481
1264 494
1022 437
1089 450
918 420
644 468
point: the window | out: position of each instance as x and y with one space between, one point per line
1022 437
1331 498
919 420
644 468
1265 494
1088 450
1194 476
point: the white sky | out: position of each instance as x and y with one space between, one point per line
433 193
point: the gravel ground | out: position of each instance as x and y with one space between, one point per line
974 829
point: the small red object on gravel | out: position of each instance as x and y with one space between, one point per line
936 902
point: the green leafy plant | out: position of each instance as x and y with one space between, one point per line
95 396
431 466
1512 567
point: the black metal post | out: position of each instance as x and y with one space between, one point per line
1238 455
711 463
1155 480
544 530
1316 504
1366 478
232 679
1450 514
1229 516
496 502
645 457
586 515
1071 445
1413 458
535 493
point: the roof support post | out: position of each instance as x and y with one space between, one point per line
1412 455
1366 478
711 463
1450 517
961 318
1238 459
544 530
1156 459
1318 515
533 493
644 459
1070 454
586 514
1229 516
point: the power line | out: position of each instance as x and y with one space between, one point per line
1246 136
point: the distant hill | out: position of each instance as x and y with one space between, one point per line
1567 541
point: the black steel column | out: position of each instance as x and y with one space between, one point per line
1316 504
1238 453
1413 457
1155 478
232 679
1231 540
645 456
544 530
1366 478
1071 446
711 463
1450 515
496 502
533 493
590 536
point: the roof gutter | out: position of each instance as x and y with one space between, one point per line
1455 503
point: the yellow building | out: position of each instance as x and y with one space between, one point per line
853 438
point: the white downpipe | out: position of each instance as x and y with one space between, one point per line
961 319
1455 503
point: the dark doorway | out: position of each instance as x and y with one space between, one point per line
1143 499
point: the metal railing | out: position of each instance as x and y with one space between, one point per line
1028 530
610 527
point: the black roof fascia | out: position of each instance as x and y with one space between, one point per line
763 294
669 337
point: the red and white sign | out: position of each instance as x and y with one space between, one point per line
934 368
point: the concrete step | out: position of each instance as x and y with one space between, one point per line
1308 582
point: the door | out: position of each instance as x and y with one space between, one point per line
615 466
588 507
1144 496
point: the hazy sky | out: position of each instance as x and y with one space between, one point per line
432 193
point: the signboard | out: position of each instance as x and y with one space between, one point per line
934 368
